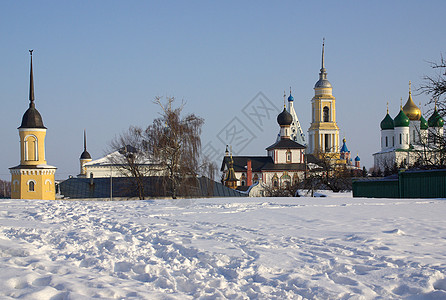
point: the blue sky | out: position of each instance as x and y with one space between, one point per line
99 64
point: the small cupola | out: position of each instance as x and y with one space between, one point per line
435 120
401 120
387 122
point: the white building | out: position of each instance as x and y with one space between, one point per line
408 138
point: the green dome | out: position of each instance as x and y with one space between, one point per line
387 123
401 120
436 120
423 123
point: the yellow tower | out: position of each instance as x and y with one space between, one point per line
323 132
33 178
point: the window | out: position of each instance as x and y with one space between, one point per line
401 138
31 186
256 178
386 142
326 114
327 142
31 148
288 156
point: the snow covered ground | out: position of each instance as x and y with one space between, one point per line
238 248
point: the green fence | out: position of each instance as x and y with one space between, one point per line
380 188
409 184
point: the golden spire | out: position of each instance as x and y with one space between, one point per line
387 107
401 103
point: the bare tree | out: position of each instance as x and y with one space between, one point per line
328 175
174 144
129 158
5 189
435 85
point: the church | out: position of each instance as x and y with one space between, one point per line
408 139
290 157
33 178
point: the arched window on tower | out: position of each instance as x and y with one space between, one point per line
31 148
387 145
326 114
31 186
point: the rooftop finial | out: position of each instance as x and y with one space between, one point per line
410 91
284 99
387 107
401 103
31 81
85 140
323 46
290 91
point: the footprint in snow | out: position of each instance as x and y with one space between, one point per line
395 231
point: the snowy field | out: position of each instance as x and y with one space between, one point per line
237 248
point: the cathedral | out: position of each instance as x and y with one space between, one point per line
33 178
290 157
408 138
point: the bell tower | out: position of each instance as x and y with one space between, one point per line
323 132
33 178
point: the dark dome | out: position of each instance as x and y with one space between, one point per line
85 155
387 123
435 120
284 118
32 118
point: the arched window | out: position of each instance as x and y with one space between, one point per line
243 179
31 148
288 156
48 184
31 186
326 114
275 181
285 180
401 139
387 142
255 179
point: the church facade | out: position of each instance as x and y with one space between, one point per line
283 165
33 178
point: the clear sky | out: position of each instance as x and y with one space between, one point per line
99 64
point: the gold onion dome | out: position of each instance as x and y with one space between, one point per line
411 109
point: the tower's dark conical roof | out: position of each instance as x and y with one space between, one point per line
85 155
31 118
